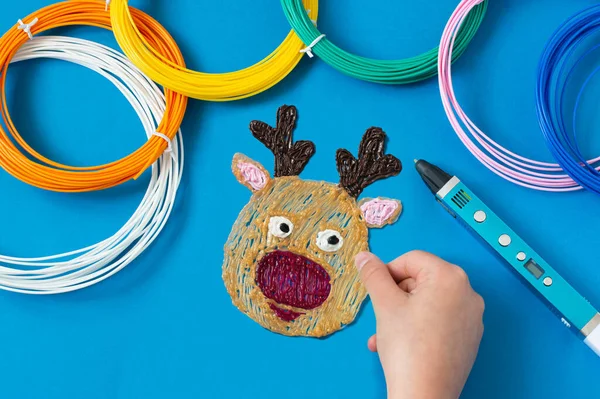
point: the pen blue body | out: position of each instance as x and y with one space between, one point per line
571 307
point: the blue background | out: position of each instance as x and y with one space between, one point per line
165 326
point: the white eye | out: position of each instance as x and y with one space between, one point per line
329 240
280 227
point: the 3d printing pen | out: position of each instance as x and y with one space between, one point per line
573 309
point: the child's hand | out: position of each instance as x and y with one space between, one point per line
429 324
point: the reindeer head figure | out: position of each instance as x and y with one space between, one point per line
289 260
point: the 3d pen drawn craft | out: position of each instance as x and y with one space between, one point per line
289 259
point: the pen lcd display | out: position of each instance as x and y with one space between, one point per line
534 268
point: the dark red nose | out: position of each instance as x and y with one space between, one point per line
292 280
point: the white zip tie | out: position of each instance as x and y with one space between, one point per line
27 27
165 138
107 4
308 49
314 21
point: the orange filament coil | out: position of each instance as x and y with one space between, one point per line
44 173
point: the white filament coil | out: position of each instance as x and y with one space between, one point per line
87 266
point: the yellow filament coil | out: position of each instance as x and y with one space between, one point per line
51 175
205 86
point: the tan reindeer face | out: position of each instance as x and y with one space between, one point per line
289 260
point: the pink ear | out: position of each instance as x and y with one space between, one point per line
250 173
380 212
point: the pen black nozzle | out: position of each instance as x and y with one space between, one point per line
434 177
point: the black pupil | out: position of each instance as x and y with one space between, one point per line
333 240
284 227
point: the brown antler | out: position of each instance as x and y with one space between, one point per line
372 163
290 157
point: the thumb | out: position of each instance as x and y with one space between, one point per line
378 281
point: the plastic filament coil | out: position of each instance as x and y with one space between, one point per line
556 69
404 71
87 266
503 162
23 162
205 86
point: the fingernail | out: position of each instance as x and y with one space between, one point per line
361 259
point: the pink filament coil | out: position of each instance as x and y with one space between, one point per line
515 168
